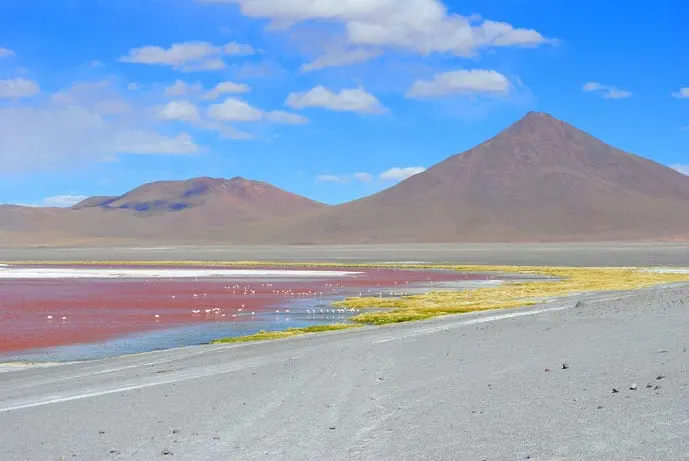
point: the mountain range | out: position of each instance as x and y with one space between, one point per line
540 179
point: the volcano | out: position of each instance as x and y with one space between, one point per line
541 179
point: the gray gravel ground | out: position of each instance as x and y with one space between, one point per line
566 254
472 387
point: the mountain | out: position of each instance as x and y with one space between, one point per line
540 179
190 211
238 194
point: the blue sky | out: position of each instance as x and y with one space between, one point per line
327 98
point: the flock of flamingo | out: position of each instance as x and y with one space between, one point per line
218 312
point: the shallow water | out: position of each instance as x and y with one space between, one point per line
47 320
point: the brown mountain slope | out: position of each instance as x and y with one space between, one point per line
247 196
192 211
540 179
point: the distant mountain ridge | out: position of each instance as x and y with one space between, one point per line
170 196
540 179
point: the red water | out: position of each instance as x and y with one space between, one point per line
89 310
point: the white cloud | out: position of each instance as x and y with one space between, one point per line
422 26
684 169
238 49
181 88
225 88
605 91
181 110
63 201
208 64
234 110
330 178
150 142
133 86
683 93
187 56
77 126
112 107
96 63
18 88
340 58
89 86
287 118
6 53
223 130
363 177
393 174
399 174
61 97
461 82
352 100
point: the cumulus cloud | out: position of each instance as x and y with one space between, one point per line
287 118
181 110
400 174
187 56
63 201
236 110
340 58
683 93
476 81
18 88
227 88
182 88
605 91
238 49
421 26
684 169
6 53
350 100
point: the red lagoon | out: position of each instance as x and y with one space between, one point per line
40 313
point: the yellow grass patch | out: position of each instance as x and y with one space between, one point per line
266 335
567 281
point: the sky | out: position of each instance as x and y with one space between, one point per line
331 99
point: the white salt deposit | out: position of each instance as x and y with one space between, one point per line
668 270
10 272
17 366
